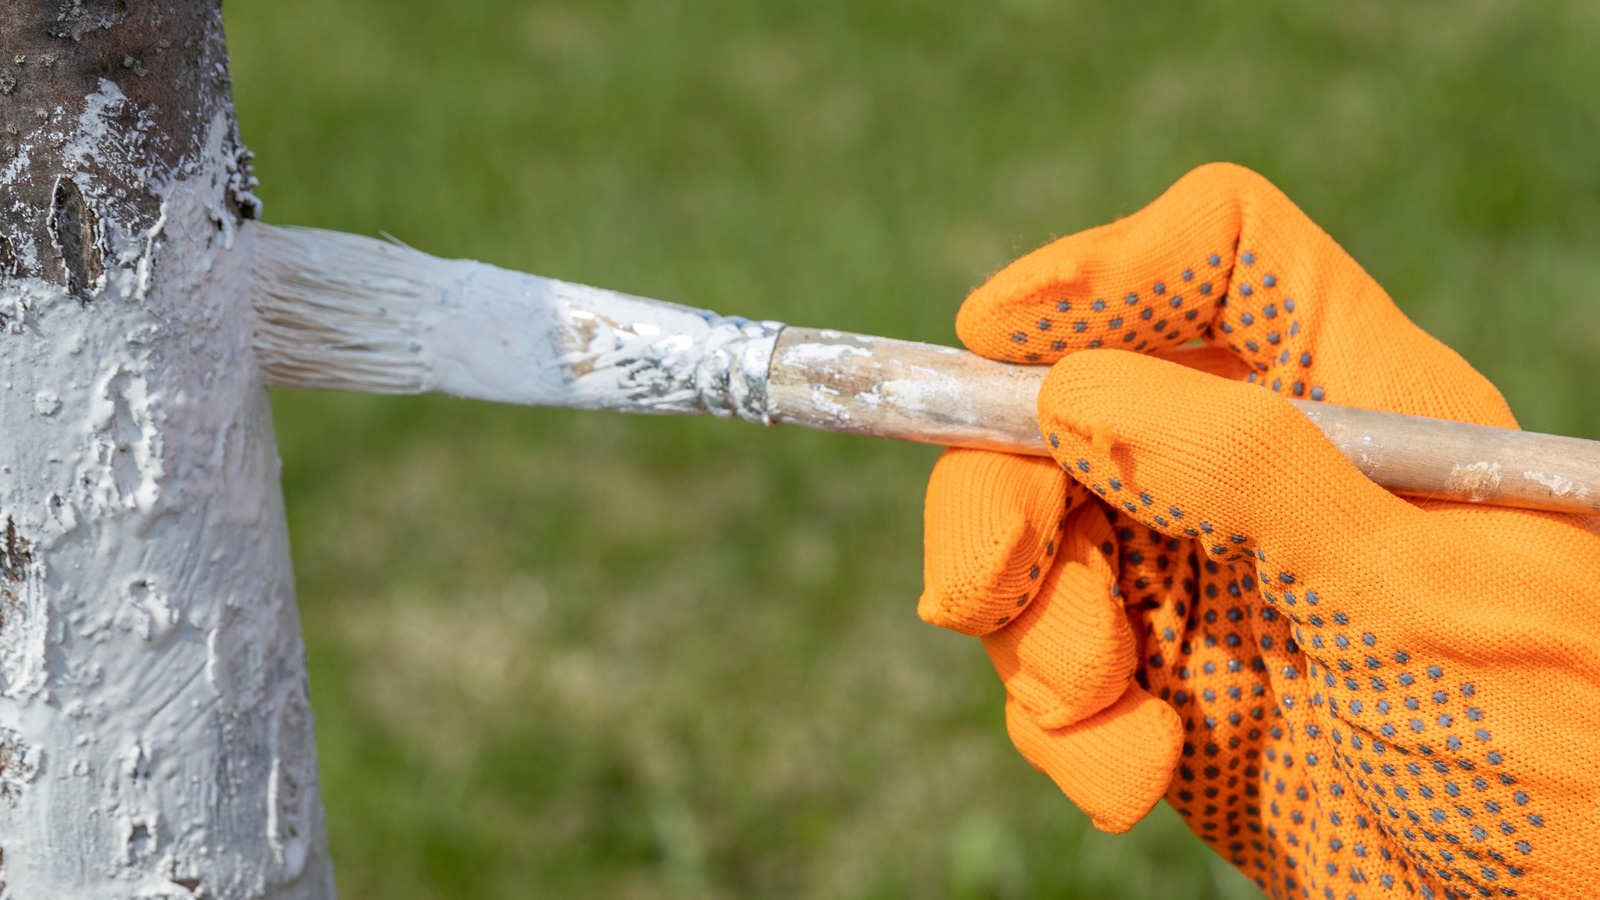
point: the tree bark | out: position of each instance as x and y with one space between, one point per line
155 735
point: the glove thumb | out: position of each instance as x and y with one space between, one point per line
1230 465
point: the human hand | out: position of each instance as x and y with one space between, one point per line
1345 693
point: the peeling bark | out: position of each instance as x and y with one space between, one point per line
155 735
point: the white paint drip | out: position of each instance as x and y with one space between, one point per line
141 265
292 803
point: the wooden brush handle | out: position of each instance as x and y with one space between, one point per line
882 387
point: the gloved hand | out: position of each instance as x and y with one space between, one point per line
1344 693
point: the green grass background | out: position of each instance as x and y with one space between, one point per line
577 654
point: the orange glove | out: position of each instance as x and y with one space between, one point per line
1345 693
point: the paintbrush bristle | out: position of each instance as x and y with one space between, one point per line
339 311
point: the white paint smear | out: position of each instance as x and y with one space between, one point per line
144 536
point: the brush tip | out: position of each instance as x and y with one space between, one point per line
340 311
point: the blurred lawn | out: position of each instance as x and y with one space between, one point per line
562 654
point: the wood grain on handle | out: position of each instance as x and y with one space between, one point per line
1444 460
883 387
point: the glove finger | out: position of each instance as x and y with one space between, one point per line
991 523
1132 284
1226 256
1116 765
1196 456
1310 321
1071 653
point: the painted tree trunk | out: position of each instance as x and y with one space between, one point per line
155 736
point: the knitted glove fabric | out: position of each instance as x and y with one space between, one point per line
1344 693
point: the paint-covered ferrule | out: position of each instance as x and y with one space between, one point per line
732 377
617 351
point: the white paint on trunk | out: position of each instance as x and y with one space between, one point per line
155 735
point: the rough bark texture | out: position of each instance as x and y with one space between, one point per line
155 737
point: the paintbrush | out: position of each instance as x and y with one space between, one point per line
344 312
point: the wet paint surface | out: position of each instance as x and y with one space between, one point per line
155 739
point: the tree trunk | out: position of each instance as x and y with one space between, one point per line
155 737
